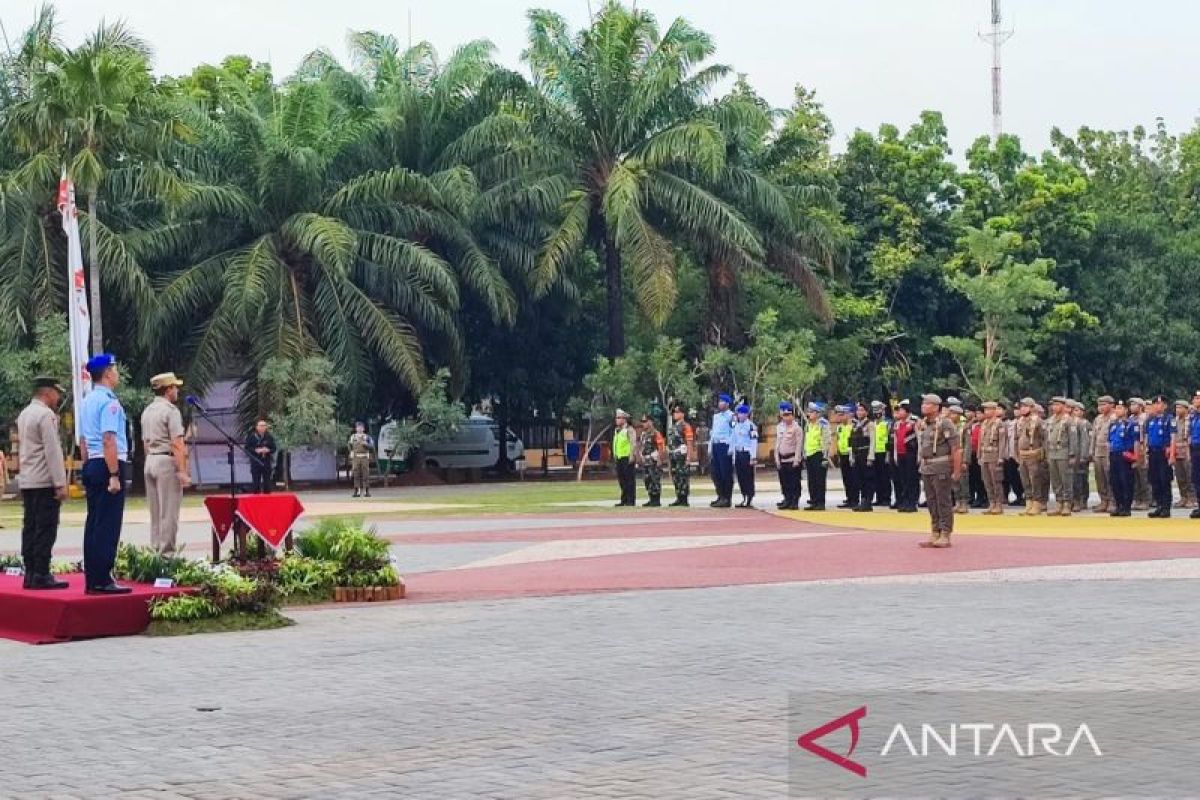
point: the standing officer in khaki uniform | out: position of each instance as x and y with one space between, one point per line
1083 438
1141 469
1100 426
940 456
962 487
1031 449
992 439
43 482
361 444
166 469
1061 455
1180 438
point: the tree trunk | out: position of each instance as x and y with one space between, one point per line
616 300
721 324
94 275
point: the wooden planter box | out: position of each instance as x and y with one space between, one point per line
367 594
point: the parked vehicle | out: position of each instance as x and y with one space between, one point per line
477 446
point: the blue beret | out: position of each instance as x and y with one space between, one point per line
102 361
815 406
743 409
785 406
724 398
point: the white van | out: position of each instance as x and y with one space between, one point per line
476 446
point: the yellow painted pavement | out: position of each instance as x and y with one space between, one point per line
1084 525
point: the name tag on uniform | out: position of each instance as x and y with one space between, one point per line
164 583
14 572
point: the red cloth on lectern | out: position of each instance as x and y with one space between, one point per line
271 516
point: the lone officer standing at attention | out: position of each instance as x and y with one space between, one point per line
166 469
680 444
1061 455
650 449
745 454
43 482
818 438
1031 449
104 447
788 444
1123 439
361 444
622 450
260 446
1158 457
1100 425
1181 450
992 436
720 454
940 456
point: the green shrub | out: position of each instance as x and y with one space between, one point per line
318 541
10 560
302 575
66 567
183 607
146 565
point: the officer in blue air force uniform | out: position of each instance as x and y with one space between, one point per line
104 446
745 454
720 454
1158 447
1123 436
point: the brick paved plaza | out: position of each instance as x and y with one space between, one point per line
589 654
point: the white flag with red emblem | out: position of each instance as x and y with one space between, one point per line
77 306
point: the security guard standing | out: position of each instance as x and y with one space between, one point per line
1194 447
43 483
166 469
881 439
1158 457
818 438
104 447
940 456
1031 449
745 454
843 428
1182 461
789 448
1123 439
361 444
720 453
680 443
1100 466
904 460
862 441
991 448
1061 455
650 449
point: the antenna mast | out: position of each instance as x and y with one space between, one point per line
997 36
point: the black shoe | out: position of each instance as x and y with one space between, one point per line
1155 514
111 588
355 494
1018 503
367 493
864 508
1195 514
782 504
846 504
722 503
1164 513
820 507
653 502
717 503
39 582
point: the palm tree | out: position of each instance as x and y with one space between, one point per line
618 108
298 247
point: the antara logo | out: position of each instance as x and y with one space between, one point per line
808 741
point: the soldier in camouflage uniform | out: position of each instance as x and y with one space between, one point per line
1181 428
940 456
1031 450
1083 438
1061 455
680 444
1141 469
649 453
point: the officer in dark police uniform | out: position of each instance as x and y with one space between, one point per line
1158 446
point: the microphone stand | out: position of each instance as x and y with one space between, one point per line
232 444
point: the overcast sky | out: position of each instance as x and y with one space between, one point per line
1103 63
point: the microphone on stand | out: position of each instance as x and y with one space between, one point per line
192 401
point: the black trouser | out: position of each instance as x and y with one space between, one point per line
102 530
864 476
1012 480
975 479
883 483
40 529
908 481
1120 481
260 477
1196 470
789 480
1160 478
849 478
745 473
627 480
722 471
817 473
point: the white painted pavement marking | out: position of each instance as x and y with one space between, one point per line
1176 569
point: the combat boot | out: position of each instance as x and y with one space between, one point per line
1103 507
653 502
933 538
1195 514
680 500
993 510
961 508
942 541
1065 509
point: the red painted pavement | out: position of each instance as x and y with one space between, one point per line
821 558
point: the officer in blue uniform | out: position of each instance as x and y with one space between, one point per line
720 455
105 449
1158 446
1122 453
1194 447
745 454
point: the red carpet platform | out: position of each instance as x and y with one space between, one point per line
43 617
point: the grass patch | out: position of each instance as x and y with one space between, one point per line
233 621
308 598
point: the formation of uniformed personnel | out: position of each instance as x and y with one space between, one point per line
623 446
650 457
104 447
1062 454
862 443
1181 459
680 444
361 446
1158 456
720 453
166 469
43 482
789 443
745 454
940 464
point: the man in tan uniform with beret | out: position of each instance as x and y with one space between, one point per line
1100 425
43 482
1031 452
992 443
939 456
166 468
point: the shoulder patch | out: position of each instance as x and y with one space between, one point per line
114 406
